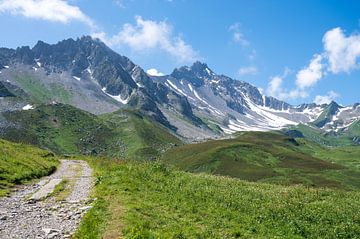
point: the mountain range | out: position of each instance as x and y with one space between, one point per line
193 102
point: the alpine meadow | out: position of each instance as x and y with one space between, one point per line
179 119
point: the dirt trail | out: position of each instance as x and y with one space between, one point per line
37 211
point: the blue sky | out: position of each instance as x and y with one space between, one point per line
299 51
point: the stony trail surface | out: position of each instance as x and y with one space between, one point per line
33 212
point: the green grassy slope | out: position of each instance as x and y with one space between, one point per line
150 201
142 138
67 130
352 132
354 128
334 139
19 163
266 157
60 128
40 93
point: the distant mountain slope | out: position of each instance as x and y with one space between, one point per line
346 136
88 75
238 106
194 102
141 137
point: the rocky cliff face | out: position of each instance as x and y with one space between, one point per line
236 105
88 67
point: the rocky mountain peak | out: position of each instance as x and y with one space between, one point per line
201 69
333 104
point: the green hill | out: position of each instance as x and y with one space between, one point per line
141 137
65 129
60 128
268 157
20 163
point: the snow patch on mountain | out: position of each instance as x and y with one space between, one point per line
28 107
116 97
313 113
209 71
175 88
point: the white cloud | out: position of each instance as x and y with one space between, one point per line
341 54
148 34
306 78
275 88
154 72
248 70
342 51
49 10
311 74
325 99
237 35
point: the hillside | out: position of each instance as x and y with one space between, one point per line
269 157
348 136
65 129
142 138
151 201
20 163
60 128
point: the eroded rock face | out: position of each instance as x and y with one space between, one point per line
86 67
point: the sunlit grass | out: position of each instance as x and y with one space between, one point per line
148 200
20 163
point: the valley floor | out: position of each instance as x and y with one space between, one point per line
50 208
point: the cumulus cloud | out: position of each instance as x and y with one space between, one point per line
326 99
154 72
49 10
311 74
148 34
306 78
342 52
237 35
275 88
248 70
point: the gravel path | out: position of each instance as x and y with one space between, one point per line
31 211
